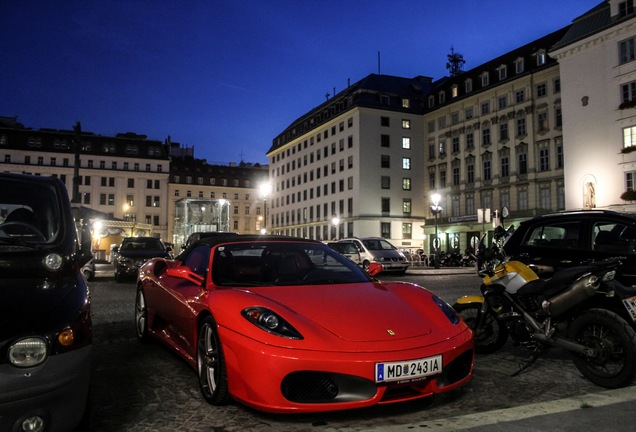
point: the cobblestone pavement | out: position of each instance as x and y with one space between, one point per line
143 387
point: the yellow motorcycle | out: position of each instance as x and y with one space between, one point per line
570 310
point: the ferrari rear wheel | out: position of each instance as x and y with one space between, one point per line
211 364
141 316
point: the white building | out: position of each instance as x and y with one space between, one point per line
597 58
352 166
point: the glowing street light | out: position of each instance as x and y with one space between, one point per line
436 209
265 189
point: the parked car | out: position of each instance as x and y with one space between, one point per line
45 313
203 234
133 252
377 249
269 321
348 249
564 239
88 270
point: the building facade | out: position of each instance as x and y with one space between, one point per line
130 183
493 139
597 58
350 166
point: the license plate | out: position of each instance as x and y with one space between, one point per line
408 370
630 305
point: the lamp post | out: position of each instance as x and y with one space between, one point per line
335 221
266 189
436 209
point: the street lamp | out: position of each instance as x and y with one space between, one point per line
266 189
436 209
335 221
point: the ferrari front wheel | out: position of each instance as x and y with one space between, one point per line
141 316
211 364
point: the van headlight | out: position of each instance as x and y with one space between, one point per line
27 352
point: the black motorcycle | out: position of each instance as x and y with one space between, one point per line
576 309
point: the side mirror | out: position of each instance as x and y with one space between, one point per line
183 272
375 269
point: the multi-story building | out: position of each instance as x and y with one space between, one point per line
124 177
597 58
493 139
352 166
125 180
208 197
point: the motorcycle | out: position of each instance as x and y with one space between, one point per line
469 259
570 310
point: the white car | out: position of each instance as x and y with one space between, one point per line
377 249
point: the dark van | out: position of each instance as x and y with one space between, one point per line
45 319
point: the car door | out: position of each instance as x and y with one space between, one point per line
177 294
552 244
611 237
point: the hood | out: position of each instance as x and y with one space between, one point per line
39 306
359 312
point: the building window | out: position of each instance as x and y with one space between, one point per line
407 230
485 108
455 144
523 163
406 103
545 198
470 173
521 127
519 66
385 140
629 136
468 86
544 159
385 161
503 131
485 79
386 205
520 96
541 90
626 50
406 183
541 58
442 97
385 230
406 163
385 182
559 155
455 117
628 92
485 136
470 141
542 118
505 167
385 121
406 124
468 113
625 8
456 176
406 207
487 170
406 142
503 102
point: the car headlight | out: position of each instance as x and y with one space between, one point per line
271 322
447 309
27 352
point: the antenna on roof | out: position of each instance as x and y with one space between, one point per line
455 63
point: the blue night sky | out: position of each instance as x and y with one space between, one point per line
227 76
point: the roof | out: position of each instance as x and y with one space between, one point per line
373 91
591 22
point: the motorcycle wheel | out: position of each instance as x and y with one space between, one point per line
615 342
491 334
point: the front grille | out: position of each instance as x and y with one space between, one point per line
457 370
325 387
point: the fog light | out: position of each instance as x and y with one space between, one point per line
33 424
66 337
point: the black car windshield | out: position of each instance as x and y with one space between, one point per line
282 263
29 213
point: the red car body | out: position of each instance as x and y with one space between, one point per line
336 340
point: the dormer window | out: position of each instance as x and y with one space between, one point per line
406 103
454 91
468 85
431 101
442 97
541 58
519 66
485 79
626 8
503 72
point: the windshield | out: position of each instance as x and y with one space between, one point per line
282 263
29 213
141 244
377 244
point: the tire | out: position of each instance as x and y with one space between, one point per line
605 331
492 335
211 364
141 316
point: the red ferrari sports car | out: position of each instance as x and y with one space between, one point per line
283 324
